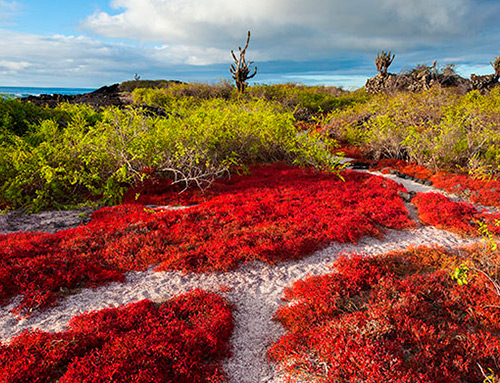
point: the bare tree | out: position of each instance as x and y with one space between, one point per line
241 69
383 61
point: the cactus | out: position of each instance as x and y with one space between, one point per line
241 69
496 66
383 61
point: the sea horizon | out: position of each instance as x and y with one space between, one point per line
24 91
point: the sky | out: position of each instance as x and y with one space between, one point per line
88 44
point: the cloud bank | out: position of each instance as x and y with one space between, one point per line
59 60
313 41
289 29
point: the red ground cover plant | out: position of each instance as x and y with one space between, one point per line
402 166
275 214
392 318
182 340
480 191
440 211
350 151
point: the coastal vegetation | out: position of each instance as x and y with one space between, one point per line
205 178
438 129
79 154
183 339
276 213
195 133
392 317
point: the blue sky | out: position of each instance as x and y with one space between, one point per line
73 43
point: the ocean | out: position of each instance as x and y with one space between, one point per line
19 91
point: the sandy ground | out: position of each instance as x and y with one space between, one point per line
48 221
254 290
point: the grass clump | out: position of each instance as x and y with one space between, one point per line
463 218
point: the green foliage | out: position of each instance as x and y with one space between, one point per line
438 128
487 235
96 155
304 101
308 100
460 274
18 117
162 96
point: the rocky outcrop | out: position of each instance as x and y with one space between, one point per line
425 78
105 96
483 82
413 82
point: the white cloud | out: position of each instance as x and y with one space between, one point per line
282 29
197 56
436 16
171 37
8 6
27 59
14 66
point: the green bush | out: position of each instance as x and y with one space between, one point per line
18 117
162 96
96 155
304 101
437 128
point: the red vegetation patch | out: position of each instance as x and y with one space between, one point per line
275 214
183 340
476 190
417 171
484 192
414 170
350 151
392 318
438 210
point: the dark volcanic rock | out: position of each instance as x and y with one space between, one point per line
483 82
425 78
105 96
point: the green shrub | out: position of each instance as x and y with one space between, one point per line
304 101
18 117
437 128
96 155
162 96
